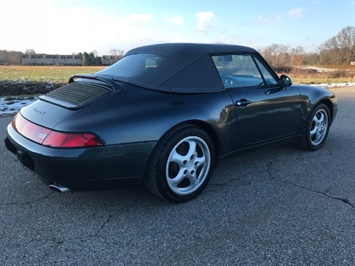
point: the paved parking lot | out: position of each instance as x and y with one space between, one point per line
275 206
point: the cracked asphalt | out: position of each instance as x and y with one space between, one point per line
273 206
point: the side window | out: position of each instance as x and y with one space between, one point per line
238 71
269 79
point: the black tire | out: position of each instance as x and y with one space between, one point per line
317 128
181 164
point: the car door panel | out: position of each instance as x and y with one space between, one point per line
266 114
266 110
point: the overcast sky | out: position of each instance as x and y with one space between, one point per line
66 27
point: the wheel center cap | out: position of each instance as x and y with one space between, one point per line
190 165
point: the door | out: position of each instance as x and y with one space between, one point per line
265 110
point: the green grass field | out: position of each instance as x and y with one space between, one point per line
44 73
34 80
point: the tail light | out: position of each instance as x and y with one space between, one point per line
53 138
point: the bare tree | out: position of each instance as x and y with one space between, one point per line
113 52
118 52
30 51
277 55
339 49
10 57
346 42
297 55
312 58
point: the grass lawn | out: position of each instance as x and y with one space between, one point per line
44 73
34 80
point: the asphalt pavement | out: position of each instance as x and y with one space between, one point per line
273 206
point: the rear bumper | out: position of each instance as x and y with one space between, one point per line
76 167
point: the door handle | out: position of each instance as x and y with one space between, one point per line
242 103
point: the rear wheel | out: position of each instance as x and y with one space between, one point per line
181 164
317 128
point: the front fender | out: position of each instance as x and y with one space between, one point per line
312 96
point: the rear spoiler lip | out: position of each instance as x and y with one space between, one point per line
113 85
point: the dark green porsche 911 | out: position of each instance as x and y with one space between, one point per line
166 114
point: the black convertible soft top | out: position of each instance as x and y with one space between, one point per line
187 67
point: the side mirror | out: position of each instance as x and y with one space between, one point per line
285 81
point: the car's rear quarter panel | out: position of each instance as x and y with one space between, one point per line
140 115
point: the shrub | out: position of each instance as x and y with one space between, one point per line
283 69
338 74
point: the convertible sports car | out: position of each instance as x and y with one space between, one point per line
166 114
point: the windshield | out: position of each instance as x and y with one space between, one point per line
134 65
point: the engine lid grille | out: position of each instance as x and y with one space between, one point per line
76 94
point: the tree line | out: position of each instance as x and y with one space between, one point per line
338 50
92 59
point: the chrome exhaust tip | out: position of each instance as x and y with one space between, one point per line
59 188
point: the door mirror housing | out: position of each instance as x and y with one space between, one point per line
285 81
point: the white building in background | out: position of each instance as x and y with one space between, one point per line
49 59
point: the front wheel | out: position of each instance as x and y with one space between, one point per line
181 164
317 128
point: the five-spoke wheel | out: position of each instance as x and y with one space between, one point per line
188 165
317 128
181 164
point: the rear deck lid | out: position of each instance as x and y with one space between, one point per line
60 104
76 94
